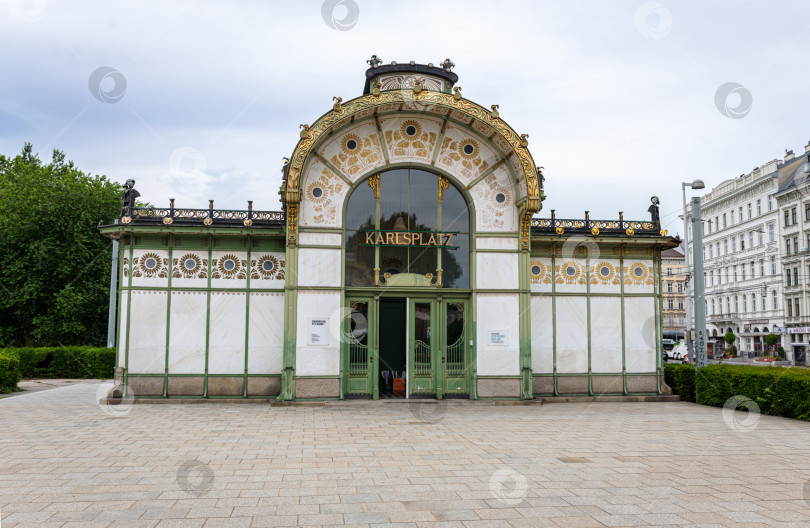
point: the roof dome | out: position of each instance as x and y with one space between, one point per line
397 76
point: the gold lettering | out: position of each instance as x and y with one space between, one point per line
379 240
432 240
369 239
398 239
389 239
449 236
420 240
407 238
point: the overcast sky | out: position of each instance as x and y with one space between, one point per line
202 99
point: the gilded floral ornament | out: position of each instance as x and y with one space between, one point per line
495 114
595 231
457 93
560 230
310 136
337 106
304 131
630 232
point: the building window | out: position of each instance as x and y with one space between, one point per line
669 272
680 303
770 204
773 264
789 308
670 304
728 304
669 287
807 212
680 271
759 207
795 276
751 267
710 226
761 267
712 306
741 214
793 215
759 237
750 239
680 320
736 303
725 246
680 287
788 278
735 272
787 218
775 300
742 271
750 215
796 307
733 244
745 302
753 302
787 247
771 232
796 245
742 242
711 250
732 217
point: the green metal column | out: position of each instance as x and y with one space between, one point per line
588 312
624 330
290 324
554 313
525 301
168 317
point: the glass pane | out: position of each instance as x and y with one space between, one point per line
361 207
454 343
456 263
423 201
359 260
355 335
393 197
455 212
421 341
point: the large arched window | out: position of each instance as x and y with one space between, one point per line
407 221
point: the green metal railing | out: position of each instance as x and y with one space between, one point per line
358 359
455 358
422 366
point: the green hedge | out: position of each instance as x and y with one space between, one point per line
778 391
681 377
65 362
10 372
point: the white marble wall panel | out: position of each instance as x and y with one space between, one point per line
496 271
403 146
228 269
226 341
354 151
494 199
570 275
267 270
540 274
606 334
150 267
498 314
542 336
319 267
572 335
319 239
147 332
605 275
496 243
266 333
322 359
638 276
187 332
323 193
122 329
640 341
189 269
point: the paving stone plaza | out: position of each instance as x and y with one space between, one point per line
67 461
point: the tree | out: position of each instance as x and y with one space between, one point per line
54 264
771 339
729 338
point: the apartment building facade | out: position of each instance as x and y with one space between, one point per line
673 296
793 198
742 266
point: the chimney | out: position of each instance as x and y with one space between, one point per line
788 155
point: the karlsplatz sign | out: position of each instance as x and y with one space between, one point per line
425 239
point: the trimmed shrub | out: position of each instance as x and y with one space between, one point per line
778 391
66 362
10 373
681 377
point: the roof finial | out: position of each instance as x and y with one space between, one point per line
374 61
448 65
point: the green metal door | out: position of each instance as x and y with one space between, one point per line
359 339
423 350
455 352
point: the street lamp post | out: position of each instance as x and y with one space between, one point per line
697 184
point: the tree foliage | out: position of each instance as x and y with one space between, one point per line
730 337
771 339
54 264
